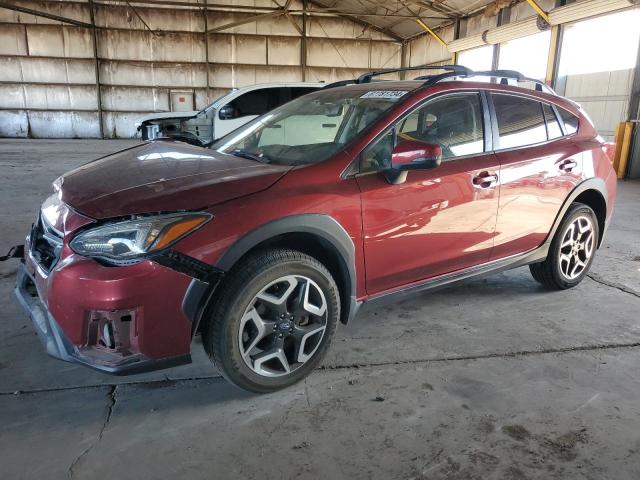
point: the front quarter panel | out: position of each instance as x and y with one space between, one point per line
315 189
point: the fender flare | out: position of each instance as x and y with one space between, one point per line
596 184
322 226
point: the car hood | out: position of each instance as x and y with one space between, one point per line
162 176
166 116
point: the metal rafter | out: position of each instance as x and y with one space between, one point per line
48 15
363 23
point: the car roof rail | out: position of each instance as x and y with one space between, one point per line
457 69
502 75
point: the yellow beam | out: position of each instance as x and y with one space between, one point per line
625 147
553 51
433 34
538 10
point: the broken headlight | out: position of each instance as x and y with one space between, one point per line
128 241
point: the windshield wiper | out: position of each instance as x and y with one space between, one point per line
251 156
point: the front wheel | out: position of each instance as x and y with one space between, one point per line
272 320
572 250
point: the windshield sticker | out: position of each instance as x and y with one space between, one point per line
384 94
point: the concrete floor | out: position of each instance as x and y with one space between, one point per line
494 379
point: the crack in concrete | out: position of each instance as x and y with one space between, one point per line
617 286
481 356
111 405
485 356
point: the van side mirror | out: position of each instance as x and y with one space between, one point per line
227 112
412 155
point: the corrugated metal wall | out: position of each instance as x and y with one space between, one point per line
47 68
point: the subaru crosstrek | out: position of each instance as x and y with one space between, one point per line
354 194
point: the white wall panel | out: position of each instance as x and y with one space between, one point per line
13 40
120 16
230 76
426 49
13 123
344 53
137 45
238 49
59 41
46 70
283 51
145 74
385 55
63 124
134 99
329 75
335 27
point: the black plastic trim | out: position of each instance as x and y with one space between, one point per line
321 225
188 265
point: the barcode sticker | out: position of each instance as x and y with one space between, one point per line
384 94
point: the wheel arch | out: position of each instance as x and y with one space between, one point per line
590 192
317 235
595 199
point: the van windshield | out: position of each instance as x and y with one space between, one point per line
309 129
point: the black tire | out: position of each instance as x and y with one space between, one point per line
221 325
548 272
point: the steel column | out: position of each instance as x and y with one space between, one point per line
97 67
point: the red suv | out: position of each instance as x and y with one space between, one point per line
355 194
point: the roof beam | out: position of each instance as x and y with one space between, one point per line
50 16
361 22
539 10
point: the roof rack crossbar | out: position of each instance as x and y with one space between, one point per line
500 74
458 69
450 72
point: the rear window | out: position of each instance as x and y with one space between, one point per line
520 121
569 120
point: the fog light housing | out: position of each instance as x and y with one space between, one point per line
111 337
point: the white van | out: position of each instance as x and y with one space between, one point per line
224 115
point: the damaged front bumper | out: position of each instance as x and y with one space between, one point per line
59 346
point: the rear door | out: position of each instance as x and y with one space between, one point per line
439 220
539 166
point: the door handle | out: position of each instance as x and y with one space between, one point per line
485 179
568 165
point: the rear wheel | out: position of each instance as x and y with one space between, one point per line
272 321
572 250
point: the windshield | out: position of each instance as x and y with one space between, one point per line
309 129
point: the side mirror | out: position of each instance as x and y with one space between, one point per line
412 155
227 112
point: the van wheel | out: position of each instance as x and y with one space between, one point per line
272 320
572 250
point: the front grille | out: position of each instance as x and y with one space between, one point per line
46 244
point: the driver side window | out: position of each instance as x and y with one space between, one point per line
452 121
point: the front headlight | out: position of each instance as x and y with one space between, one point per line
129 241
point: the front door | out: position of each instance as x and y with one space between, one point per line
439 220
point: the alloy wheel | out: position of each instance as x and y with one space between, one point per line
577 247
283 326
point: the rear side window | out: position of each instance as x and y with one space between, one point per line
520 121
569 120
553 127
